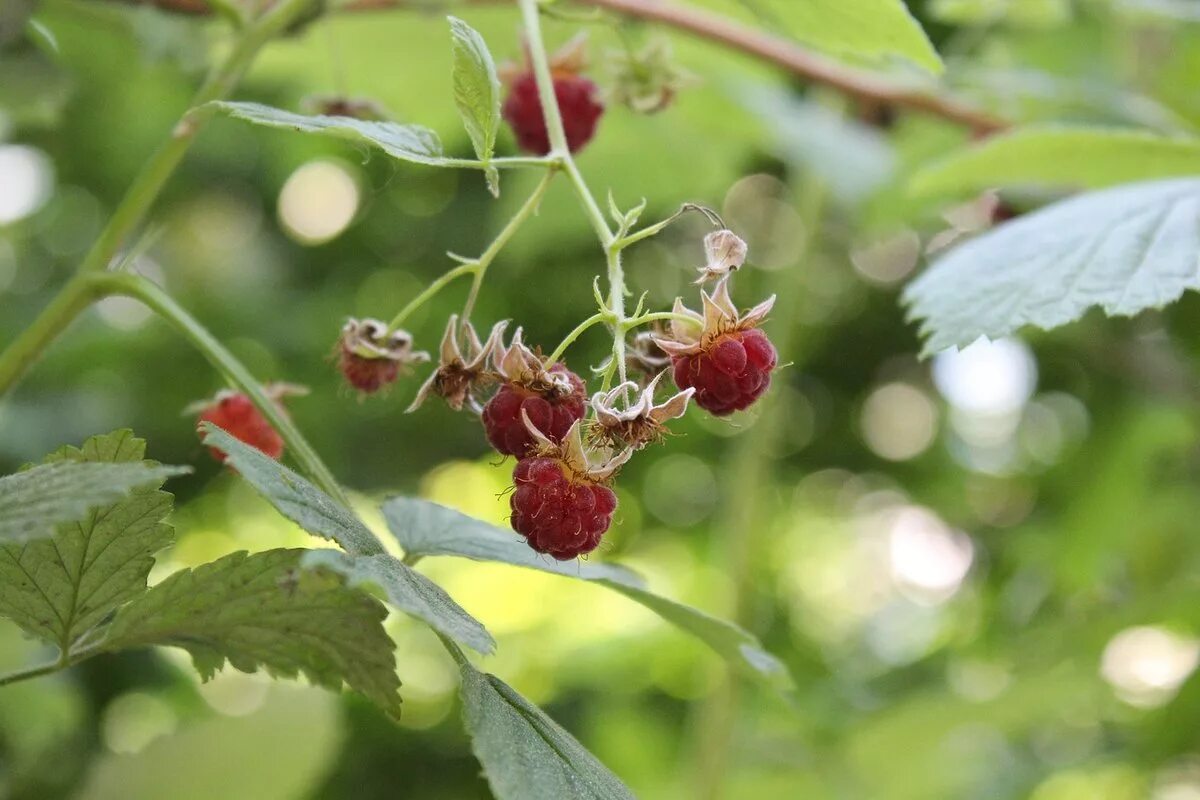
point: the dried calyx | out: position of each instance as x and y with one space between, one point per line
459 374
639 423
371 356
725 252
573 456
520 366
720 317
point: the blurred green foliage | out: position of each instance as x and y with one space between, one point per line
983 580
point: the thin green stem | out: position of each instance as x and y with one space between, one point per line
594 319
157 300
485 260
158 169
616 306
471 268
31 672
656 316
79 293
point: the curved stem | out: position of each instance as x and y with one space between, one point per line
31 672
471 268
69 303
157 300
594 319
220 83
485 260
657 316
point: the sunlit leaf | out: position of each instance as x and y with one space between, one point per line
873 29
60 588
476 93
317 513
428 529
1123 249
1061 156
525 754
262 610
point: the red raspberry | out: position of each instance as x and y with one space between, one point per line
730 374
235 414
367 375
557 514
551 414
578 101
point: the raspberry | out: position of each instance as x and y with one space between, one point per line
560 515
578 102
235 414
729 374
370 356
367 375
551 413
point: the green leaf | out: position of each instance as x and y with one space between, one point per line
35 501
262 610
1123 249
1060 156
317 513
60 588
872 29
405 142
1021 13
408 590
476 93
428 529
525 754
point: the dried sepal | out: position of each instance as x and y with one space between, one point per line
725 252
520 366
720 316
597 467
459 373
641 422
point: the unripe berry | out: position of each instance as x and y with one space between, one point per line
551 411
730 374
578 102
559 512
237 415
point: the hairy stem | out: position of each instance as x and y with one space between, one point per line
157 300
594 319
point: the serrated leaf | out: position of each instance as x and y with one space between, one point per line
1123 249
1060 156
292 495
476 93
409 591
317 513
525 754
263 611
34 502
413 143
60 588
428 529
872 29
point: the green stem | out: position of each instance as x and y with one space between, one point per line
157 300
594 319
485 260
31 672
616 306
79 293
220 84
471 268
657 316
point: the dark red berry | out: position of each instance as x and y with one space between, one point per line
557 514
552 414
729 374
235 414
367 375
578 101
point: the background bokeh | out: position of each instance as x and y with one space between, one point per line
982 570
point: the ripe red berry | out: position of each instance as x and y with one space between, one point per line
559 513
578 102
235 414
730 374
552 413
371 355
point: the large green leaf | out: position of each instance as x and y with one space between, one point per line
872 29
34 502
62 587
1061 156
406 142
262 610
525 754
476 93
1123 249
428 529
317 513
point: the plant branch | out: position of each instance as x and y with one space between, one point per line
157 300
31 672
594 319
769 47
470 268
